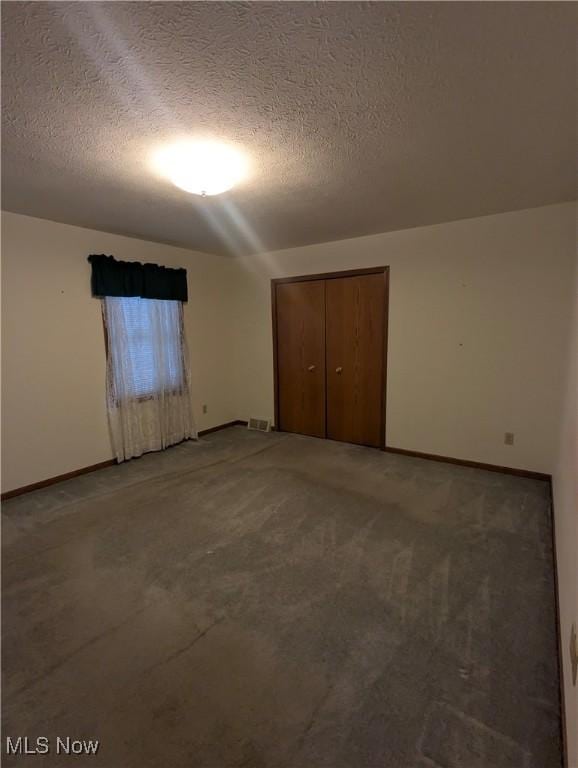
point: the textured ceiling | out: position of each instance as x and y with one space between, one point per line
357 117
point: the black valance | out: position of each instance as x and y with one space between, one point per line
131 278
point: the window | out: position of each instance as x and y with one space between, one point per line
145 345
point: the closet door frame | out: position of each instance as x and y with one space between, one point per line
331 276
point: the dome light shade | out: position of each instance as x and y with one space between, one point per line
201 167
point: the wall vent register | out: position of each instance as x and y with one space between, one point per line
259 425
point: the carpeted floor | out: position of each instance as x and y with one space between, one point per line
277 601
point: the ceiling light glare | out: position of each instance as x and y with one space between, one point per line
201 167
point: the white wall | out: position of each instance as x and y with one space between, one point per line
476 320
53 373
565 487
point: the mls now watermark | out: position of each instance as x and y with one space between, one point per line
42 745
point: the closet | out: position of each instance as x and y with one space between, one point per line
329 339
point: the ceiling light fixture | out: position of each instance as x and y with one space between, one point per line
201 167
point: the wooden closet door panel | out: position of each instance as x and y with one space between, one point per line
300 311
355 317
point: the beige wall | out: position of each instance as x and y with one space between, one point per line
477 319
565 487
53 359
475 326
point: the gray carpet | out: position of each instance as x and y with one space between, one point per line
276 601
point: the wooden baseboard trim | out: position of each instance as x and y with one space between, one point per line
241 423
93 467
57 479
474 464
562 695
236 423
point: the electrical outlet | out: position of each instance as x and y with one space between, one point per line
509 438
204 408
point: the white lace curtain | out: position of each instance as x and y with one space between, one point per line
148 395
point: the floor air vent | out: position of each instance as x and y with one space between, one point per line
261 425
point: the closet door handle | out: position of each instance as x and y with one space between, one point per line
311 368
338 369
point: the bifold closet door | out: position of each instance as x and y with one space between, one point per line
355 323
300 310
